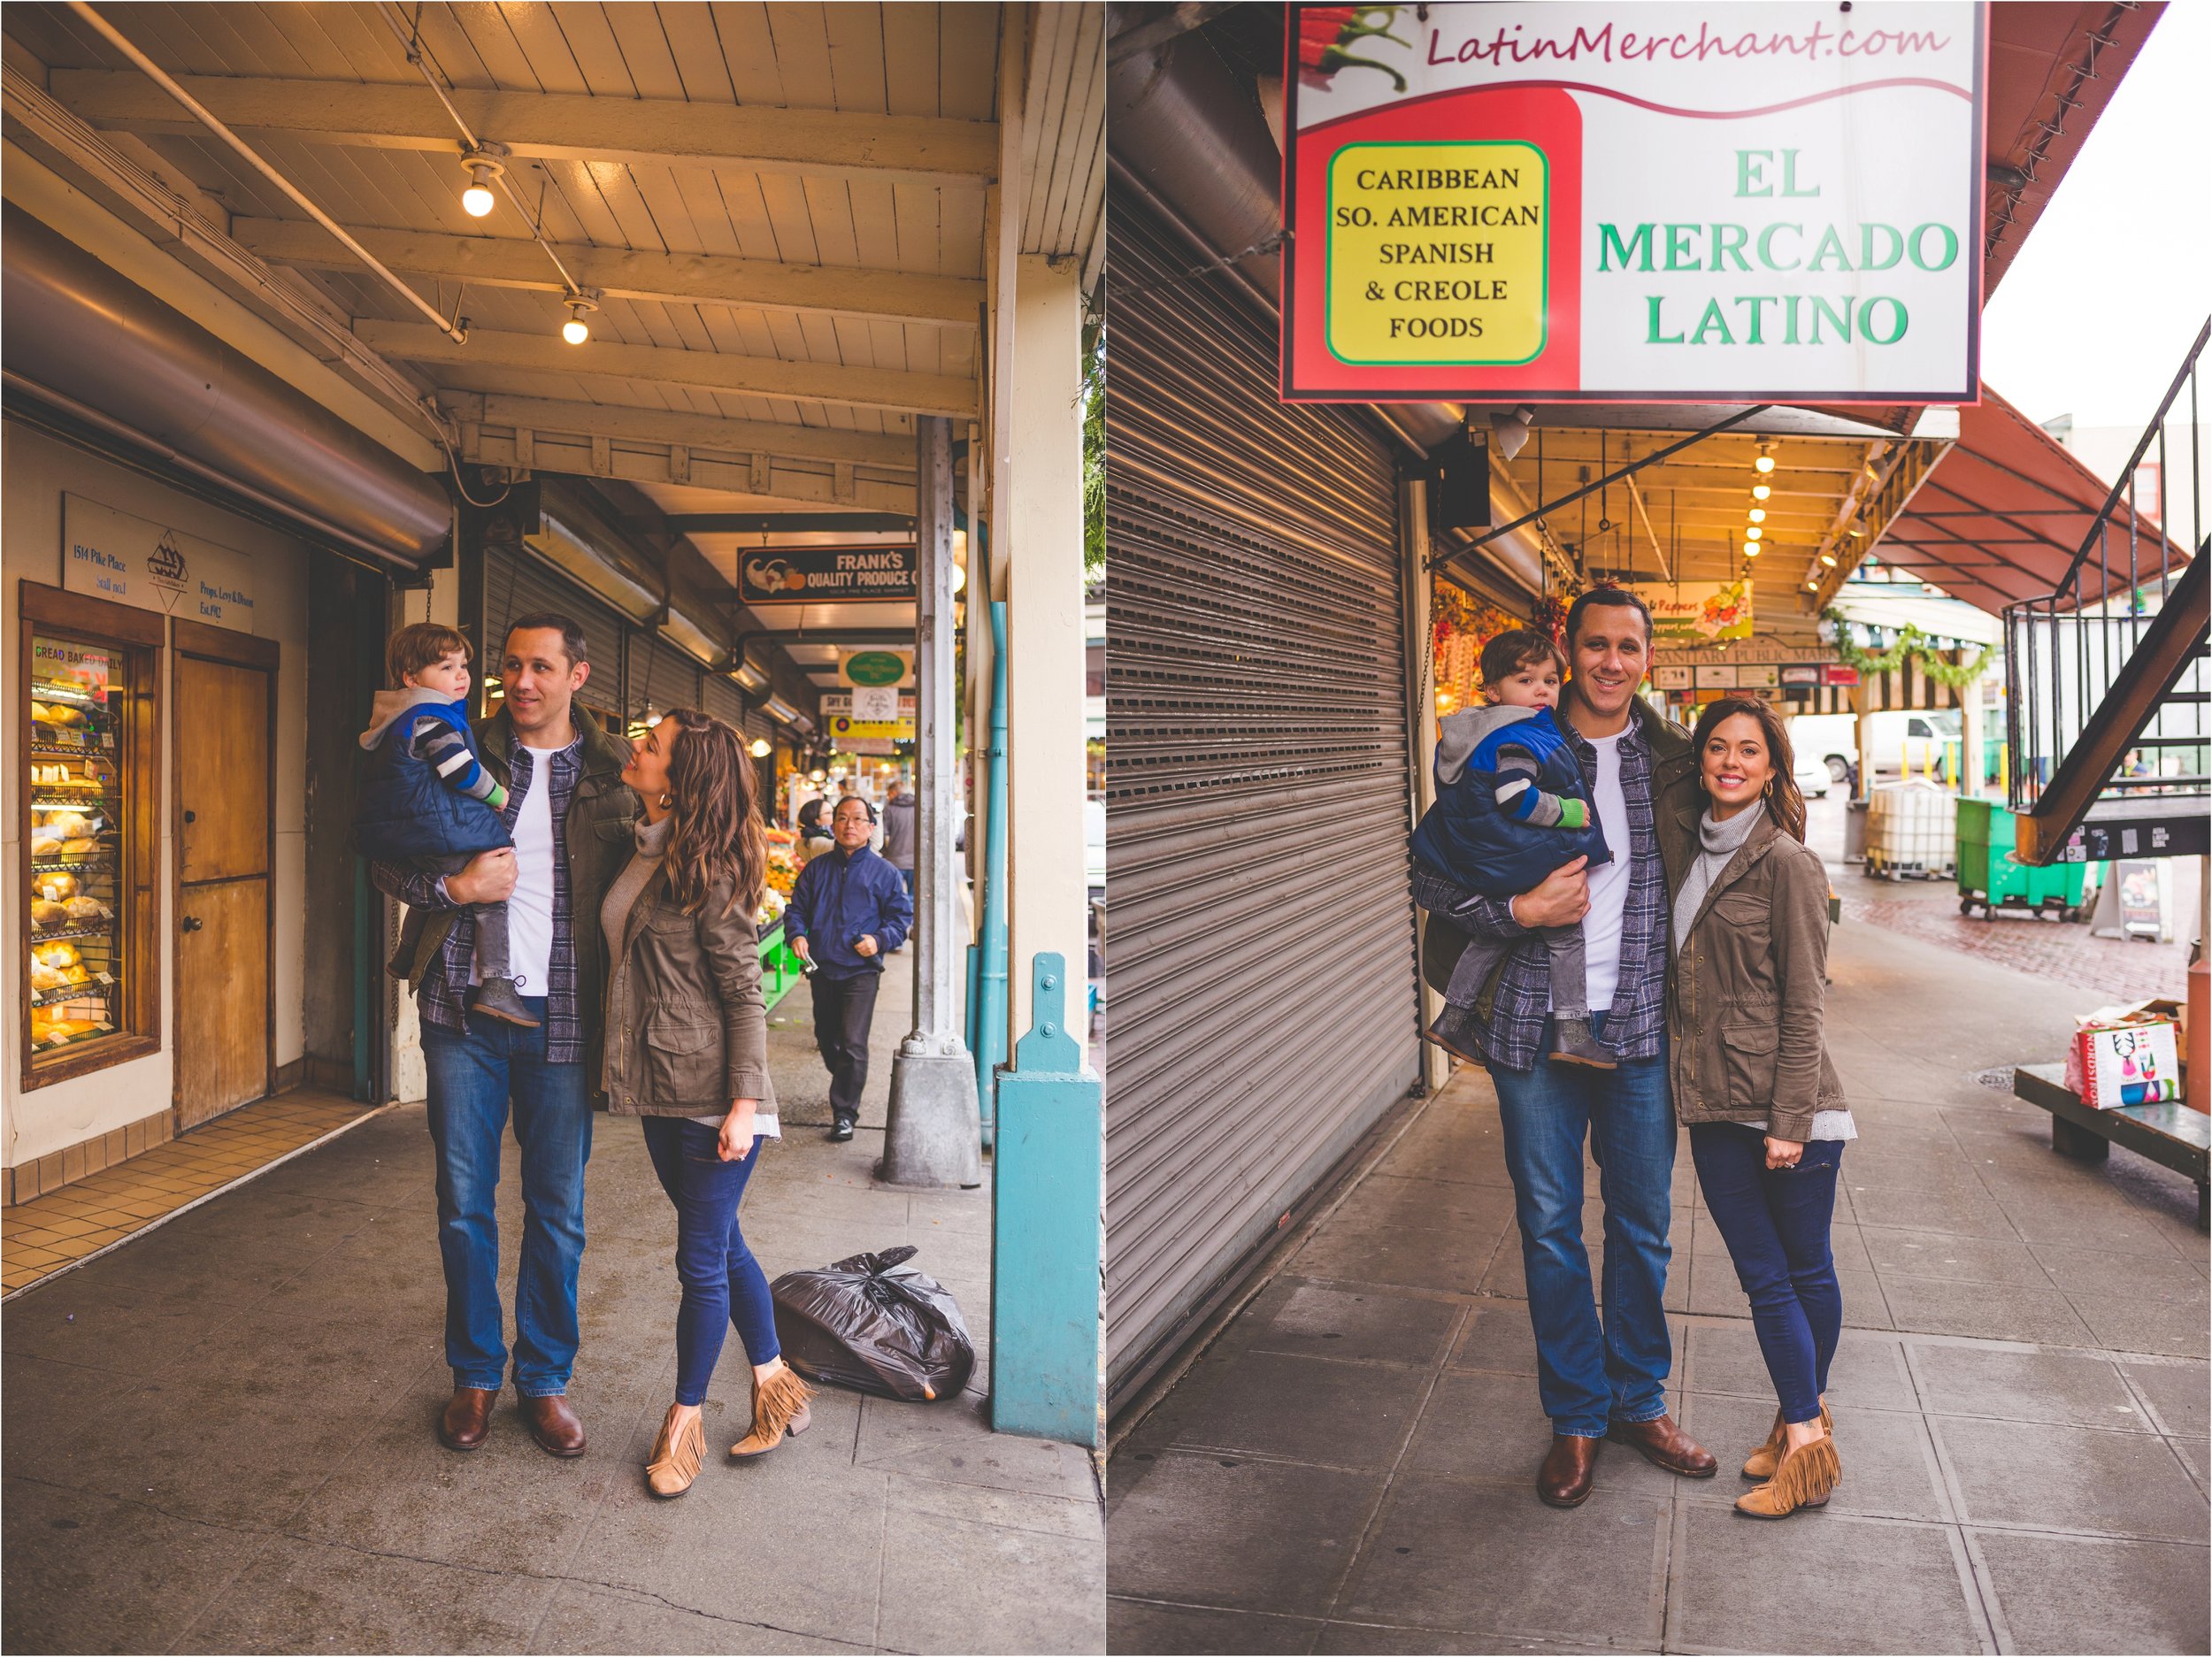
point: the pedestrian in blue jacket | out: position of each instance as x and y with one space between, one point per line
426 800
1511 806
847 910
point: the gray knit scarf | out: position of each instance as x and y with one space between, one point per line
1721 842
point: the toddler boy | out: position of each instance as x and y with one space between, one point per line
1511 806
428 799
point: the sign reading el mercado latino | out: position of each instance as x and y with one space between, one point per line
1728 202
817 575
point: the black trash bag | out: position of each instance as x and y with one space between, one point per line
874 1324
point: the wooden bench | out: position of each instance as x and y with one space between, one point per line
2172 1136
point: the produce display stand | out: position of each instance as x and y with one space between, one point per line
1991 879
2172 1135
778 963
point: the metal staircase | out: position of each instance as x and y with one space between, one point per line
2106 712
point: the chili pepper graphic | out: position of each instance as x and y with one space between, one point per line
1325 33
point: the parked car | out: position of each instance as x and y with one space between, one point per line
1811 774
1911 743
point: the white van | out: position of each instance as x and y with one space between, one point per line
1829 738
1912 743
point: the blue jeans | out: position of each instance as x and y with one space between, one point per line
471 1079
722 1283
1775 1222
1589 1372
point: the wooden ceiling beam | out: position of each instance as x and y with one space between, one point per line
618 423
703 371
667 278
551 127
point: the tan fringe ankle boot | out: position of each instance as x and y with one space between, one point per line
1806 1478
1763 1460
778 1408
675 1465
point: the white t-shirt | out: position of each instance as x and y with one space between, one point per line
1609 886
530 906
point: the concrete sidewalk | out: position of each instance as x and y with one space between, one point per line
2020 1397
219 1437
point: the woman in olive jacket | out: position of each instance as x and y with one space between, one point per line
1753 1080
688 1051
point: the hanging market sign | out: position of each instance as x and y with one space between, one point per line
1751 201
1698 612
134 560
875 670
816 575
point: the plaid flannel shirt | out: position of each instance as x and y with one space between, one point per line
1515 1034
444 998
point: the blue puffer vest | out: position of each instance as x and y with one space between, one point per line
404 811
1467 838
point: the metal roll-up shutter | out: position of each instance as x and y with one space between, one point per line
720 699
1260 940
661 676
516 583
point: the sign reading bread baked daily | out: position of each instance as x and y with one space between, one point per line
1740 200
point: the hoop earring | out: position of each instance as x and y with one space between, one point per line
667 800
1767 792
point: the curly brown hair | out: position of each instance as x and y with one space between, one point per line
714 793
1785 802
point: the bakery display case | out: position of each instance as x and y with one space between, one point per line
90 990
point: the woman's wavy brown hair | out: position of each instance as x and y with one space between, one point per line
1786 804
714 795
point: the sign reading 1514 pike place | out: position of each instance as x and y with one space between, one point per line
1740 201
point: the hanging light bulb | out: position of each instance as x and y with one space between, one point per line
576 330
1760 491
760 748
959 578
1765 463
1753 533
1828 560
478 201
1751 549
1758 514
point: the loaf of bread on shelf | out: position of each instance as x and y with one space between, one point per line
45 845
67 825
85 908
45 912
57 886
62 714
43 977
79 847
60 954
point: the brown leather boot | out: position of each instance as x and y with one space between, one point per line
1806 1478
1566 1478
1662 1444
467 1417
1768 1456
676 1464
779 1410
554 1426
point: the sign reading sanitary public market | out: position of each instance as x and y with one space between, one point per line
1746 201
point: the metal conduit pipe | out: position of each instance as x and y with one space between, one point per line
99 342
1195 146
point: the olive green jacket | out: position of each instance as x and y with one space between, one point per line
1746 997
597 838
686 1026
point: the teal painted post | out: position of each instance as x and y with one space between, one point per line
1049 1192
990 1011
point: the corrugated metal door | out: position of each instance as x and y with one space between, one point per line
1263 1008
721 699
661 676
516 583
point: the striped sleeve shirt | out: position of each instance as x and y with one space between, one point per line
1514 1036
447 752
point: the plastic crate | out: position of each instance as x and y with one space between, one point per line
1911 829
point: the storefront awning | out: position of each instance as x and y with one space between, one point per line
2000 517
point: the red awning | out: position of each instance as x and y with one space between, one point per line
2000 517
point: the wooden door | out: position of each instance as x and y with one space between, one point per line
224 846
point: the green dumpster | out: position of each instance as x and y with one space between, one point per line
1990 878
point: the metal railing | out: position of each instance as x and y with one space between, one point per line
2066 649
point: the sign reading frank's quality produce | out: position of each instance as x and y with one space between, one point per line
1734 201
